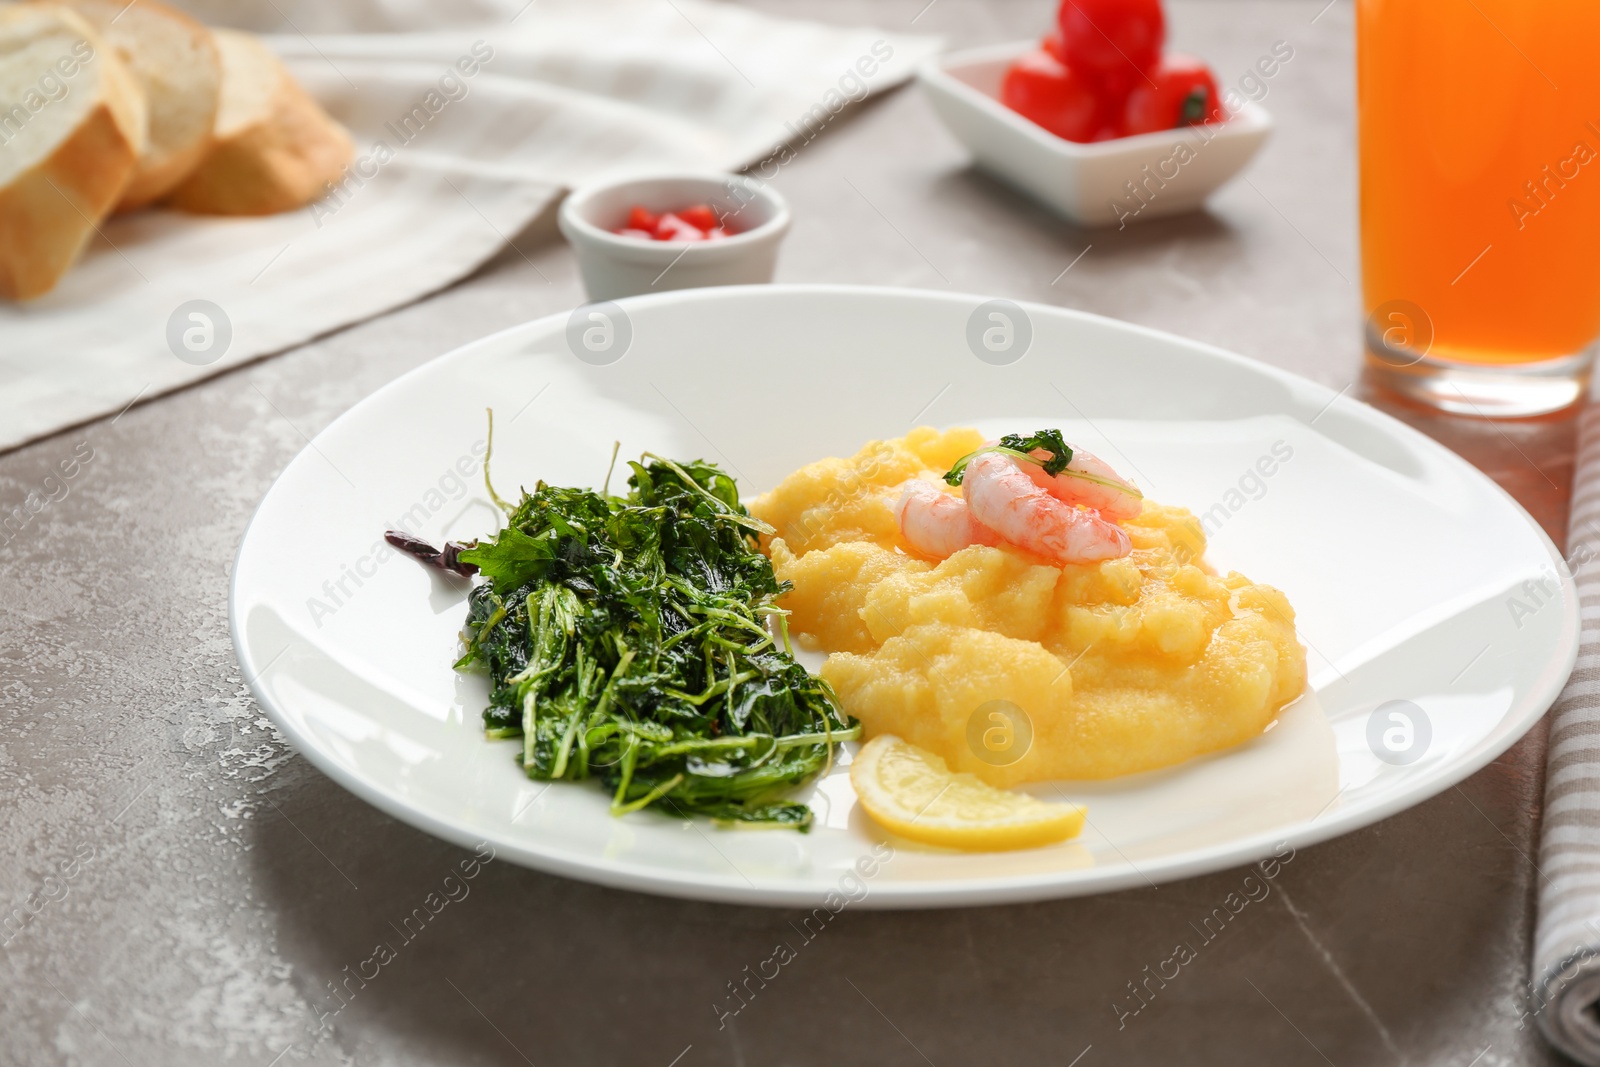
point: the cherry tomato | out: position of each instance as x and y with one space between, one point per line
1109 123
1180 92
699 216
1043 90
1051 42
1113 42
640 219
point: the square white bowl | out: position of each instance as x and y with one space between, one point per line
1128 179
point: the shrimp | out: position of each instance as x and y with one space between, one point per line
1101 488
1002 496
938 524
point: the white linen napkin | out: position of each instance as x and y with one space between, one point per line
463 136
1565 997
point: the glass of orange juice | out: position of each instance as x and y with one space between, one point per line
1480 200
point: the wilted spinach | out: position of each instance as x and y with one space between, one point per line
626 639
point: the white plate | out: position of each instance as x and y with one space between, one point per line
1404 563
1124 180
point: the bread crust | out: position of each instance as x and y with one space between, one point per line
49 211
181 118
281 162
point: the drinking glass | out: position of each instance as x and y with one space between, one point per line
1480 200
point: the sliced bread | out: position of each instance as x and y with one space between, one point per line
175 61
71 132
274 149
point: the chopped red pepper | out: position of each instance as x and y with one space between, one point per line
700 216
697 222
640 219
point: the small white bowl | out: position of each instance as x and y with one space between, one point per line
615 266
1131 178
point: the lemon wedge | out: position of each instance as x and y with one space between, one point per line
912 792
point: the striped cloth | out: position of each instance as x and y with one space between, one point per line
465 130
1565 996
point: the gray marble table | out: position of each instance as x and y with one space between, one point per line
197 889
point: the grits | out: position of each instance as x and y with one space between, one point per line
1121 666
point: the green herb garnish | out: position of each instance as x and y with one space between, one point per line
1020 447
626 639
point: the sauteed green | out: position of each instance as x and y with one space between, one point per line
626 638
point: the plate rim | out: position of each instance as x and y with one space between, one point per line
967 892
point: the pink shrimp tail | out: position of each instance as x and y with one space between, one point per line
1112 495
938 524
1002 496
1116 501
